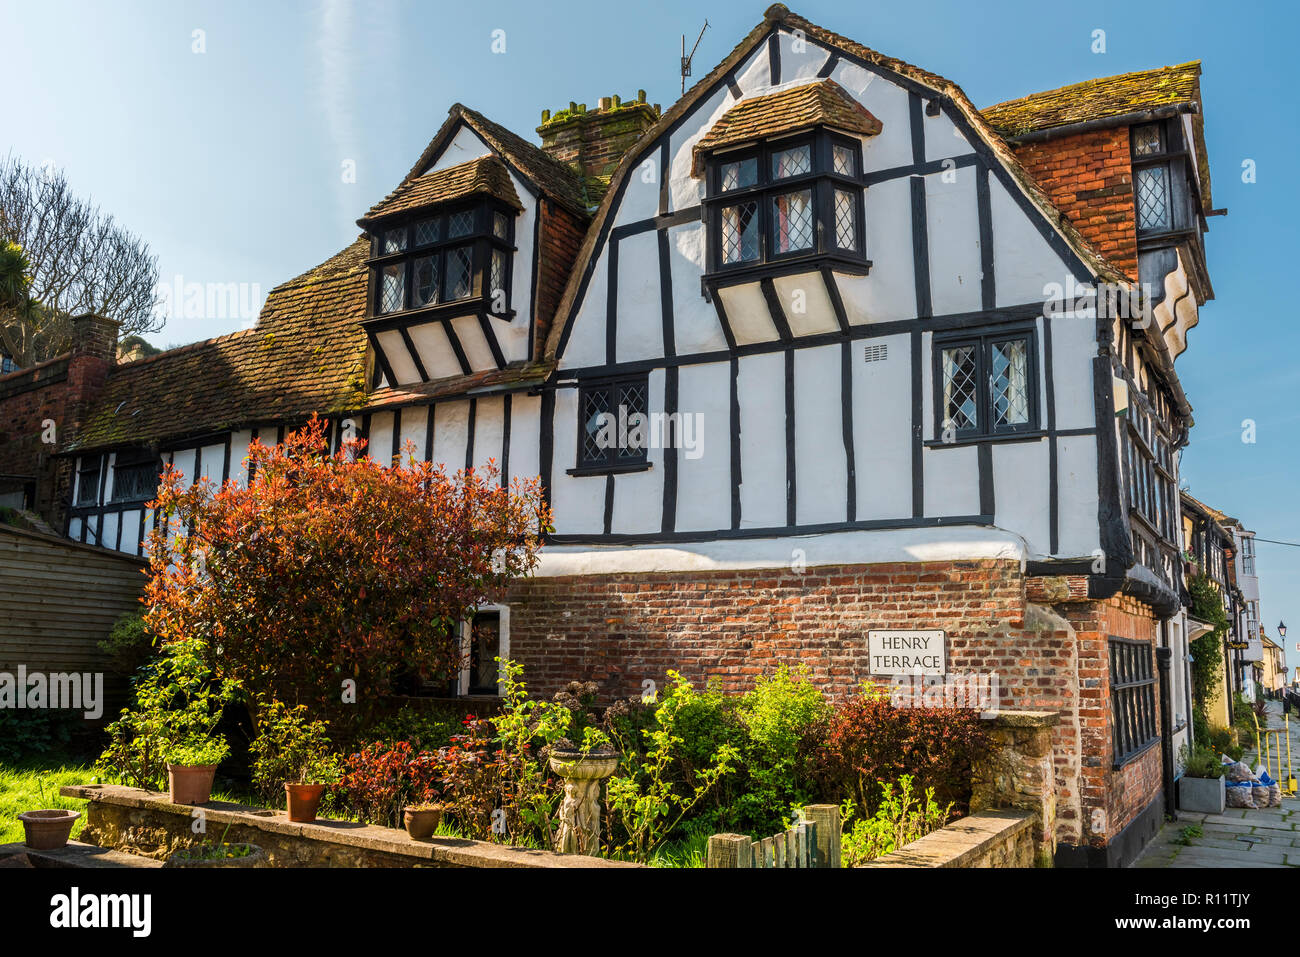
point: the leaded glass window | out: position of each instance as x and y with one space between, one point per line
792 161
960 389
391 288
738 174
792 221
1147 140
1153 197
984 385
846 225
424 291
614 427
740 233
459 276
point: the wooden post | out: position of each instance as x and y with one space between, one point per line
826 817
730 851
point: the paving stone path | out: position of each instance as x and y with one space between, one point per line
1239 837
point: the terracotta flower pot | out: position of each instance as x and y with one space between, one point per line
47 830
188 784
421 822
255 857
303 801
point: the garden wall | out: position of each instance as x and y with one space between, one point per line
983 839
1043 637
129 819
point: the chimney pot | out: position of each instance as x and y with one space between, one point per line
640 96
604 103
546 115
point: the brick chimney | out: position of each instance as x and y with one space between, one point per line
592 142
94 352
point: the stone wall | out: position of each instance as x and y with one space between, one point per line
982 839
129 819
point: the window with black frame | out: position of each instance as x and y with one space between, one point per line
135 476
88 480
985 385
448 256
1161 177
1132 697
785 201
613 426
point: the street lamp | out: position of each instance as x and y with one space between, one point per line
1281 629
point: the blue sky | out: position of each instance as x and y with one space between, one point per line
229 161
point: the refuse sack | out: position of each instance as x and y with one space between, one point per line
1239 794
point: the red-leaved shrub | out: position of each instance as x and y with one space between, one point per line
867 740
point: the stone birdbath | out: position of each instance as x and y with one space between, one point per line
579 831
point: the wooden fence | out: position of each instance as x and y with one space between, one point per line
59 599
813 842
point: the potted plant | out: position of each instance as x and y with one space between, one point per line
293 753
422 819
191 766
47 829
303 797
1201 787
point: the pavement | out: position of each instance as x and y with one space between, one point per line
1239 837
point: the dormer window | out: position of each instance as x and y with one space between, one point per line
444 240
1162 195
783 183
445 257
785 200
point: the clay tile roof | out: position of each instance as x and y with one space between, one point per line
1098 99
823 103
306 354
548 174
487 174
1110 96
513 378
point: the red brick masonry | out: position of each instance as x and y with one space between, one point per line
1049 654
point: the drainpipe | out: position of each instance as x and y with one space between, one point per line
1163 657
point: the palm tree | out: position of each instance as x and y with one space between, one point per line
15 300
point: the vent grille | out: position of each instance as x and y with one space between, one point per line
876 353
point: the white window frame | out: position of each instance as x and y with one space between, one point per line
503 647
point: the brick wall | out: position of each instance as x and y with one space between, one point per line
593 142
57 391
621 630
1089 176
560 234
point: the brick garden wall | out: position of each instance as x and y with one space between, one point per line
1049 654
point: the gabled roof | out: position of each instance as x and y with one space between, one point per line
778 15
549 175
306 354
821 103
1110 97
486 175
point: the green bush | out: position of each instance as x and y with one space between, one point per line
35 733
1200 762
899 820
289 749
129 645
426 728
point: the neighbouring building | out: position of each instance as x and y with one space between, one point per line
821 350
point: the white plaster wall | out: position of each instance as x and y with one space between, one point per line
578 502
1074 343
239 442
806 304
892 147
381 438
489 428
1023 261
704 483
889 291
695 321
525 431
414 420
821 467
761 383
882 430
1021 491
952 216
464 146
450 434
436 354
639 322
952 480
1077 509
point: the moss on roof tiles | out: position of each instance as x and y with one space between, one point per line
484 175
821 103
306 354
1097 99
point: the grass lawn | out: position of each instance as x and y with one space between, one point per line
31 785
